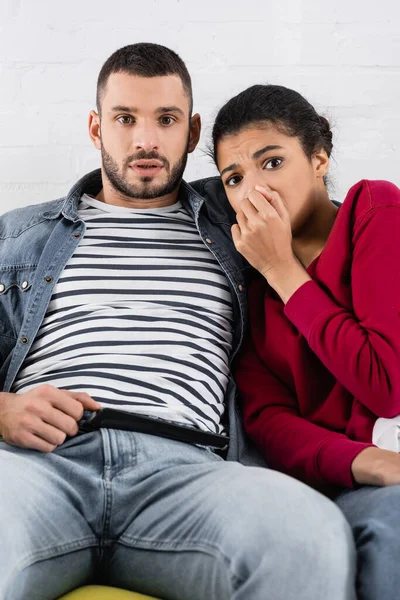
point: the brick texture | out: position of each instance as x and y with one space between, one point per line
343 56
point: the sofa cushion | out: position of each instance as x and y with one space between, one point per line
99 592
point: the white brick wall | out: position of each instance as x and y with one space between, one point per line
343 55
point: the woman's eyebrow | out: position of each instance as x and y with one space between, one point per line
231 167
265 149
257 154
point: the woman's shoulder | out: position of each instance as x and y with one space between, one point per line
368 197
368 194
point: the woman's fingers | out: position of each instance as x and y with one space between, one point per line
242 220
260 204
274 200
249 208
236 235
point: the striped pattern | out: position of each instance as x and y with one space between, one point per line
141 318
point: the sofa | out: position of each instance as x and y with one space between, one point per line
99 592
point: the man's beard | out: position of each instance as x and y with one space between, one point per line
144 190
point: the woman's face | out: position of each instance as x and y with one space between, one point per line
262 155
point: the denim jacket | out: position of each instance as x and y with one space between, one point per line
37 241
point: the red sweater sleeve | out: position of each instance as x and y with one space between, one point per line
289 442
361 348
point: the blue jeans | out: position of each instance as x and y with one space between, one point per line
165 518
373 513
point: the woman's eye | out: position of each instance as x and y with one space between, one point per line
125 120
166 120
273 163
234 180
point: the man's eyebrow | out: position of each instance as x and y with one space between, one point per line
121 108
160 110
264 150
170 109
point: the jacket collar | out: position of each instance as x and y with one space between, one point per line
68 206
92 183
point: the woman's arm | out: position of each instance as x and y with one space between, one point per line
295 446
288 441
361 348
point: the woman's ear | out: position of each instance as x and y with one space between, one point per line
194 132
320 162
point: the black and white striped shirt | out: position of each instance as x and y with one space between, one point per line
141 318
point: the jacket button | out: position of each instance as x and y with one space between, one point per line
77 235
2 287
48 279
24 340
240 287
208 241
24 285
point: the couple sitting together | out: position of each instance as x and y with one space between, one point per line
248 308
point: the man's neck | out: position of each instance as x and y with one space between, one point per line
109 195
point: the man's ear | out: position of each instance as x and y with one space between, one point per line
94 129
194 132
321 163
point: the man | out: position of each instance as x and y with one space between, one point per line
128 293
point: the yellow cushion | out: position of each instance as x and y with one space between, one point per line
99 592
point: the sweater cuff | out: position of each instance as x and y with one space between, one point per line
334 460
306 306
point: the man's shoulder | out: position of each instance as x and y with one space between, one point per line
211 189
20 218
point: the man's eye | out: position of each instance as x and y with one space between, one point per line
165 120
273 163
125 120
234 180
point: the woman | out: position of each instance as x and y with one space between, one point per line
320 372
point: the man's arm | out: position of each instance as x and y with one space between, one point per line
42 418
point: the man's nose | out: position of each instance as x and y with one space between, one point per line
146 139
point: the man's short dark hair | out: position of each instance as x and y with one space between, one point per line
145 60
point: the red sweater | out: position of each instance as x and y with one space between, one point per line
315 374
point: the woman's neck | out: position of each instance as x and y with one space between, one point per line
310 242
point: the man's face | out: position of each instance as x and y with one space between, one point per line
145 134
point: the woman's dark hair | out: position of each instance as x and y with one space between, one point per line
286 109
145 60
